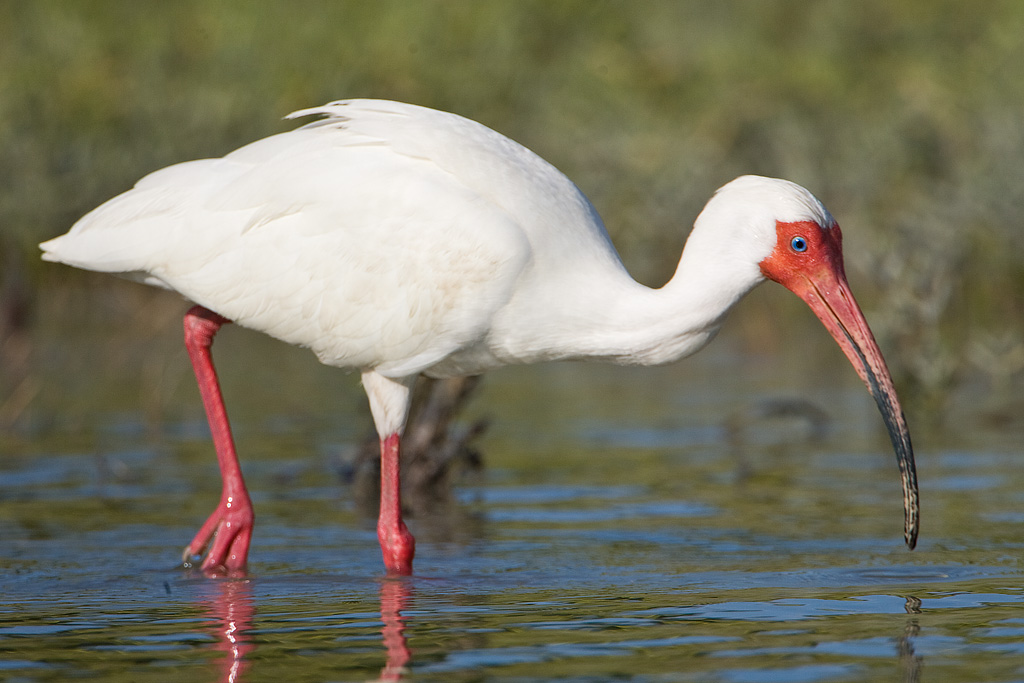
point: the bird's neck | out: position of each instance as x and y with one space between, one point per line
620 320
678 319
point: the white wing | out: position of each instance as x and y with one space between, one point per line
384 236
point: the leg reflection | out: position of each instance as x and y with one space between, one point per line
231 607
394 594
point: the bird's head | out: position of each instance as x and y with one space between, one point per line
796 242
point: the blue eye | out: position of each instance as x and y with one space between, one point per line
798 244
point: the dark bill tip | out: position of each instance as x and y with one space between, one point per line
899 434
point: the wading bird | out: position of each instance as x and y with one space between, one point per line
399 241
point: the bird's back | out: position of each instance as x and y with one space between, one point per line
383 235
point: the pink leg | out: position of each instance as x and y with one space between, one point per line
230 525
396 543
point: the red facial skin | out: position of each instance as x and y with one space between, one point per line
808 261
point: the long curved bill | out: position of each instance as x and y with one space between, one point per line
828 294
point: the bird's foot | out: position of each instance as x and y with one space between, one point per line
222 543
398 547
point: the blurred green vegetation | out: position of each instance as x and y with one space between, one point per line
906 119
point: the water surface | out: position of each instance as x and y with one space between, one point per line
631 524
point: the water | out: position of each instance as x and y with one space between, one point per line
631 525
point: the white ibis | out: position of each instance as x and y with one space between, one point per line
400 241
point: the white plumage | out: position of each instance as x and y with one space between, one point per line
400 240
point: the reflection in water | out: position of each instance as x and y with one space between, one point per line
232 611
394 594
910 662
